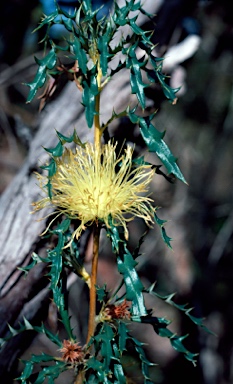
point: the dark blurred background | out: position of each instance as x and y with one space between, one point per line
199 130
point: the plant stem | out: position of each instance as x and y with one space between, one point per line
80 378
92 308
96 230
98 130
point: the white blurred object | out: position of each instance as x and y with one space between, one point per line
180 52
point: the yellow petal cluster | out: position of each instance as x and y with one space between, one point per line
91 185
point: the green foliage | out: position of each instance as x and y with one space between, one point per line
135 66
155 143
45 64
57 151
167 240
126 266
49 372
26 326
90 43
79 54
90 91
181 307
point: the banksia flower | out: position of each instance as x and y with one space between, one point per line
92 185
71 352
117 311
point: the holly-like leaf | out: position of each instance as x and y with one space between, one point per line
136 252
44 357
181 307
120 14
119 374
155 143
123 336
55 257
126 266
28 267
45 64
137 85
69 139
170 93
103 47
160 327
99 375
57 151
26 372
47 20
139 31
145 363
134 287
90 91
27 326
79 54
102 293
165 237
104 337
36 359
154 140
59 299
50 373
51 168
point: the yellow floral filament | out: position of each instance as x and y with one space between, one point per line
88 187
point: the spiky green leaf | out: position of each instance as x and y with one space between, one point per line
26 372
69 139
79 54
145 363
123 336
170 93
120 15
99 375
160 327
137 84
102 293
103 47
50 372
155 143
134 287
119 374
45 64
90 91
139 31
165 237
57 151
47 20
181 307
126 266
104 337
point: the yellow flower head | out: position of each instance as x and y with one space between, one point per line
91 185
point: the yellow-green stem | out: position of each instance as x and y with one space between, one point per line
97 128
92 306
80 378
